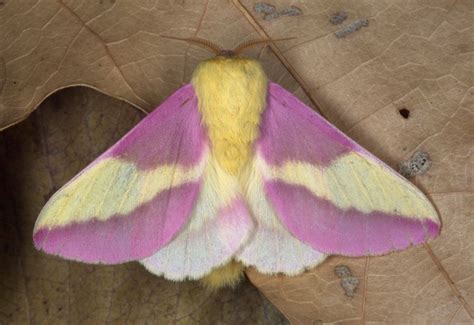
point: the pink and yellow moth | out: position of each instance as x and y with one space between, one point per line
233 168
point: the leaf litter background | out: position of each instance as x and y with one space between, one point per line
415 54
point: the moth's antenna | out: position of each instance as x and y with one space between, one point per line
199 41
254 42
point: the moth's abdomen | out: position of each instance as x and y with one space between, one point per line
231 94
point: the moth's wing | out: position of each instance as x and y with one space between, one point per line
272 248
219 226
136 196
328 191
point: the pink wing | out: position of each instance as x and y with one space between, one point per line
331 193
135 197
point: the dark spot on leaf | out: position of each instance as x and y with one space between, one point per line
269 11
352 27
349 285
404 112
342 271
348 282
291 11
265 8
338 17
418 164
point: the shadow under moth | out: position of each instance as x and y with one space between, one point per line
231 171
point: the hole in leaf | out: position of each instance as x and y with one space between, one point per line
404 112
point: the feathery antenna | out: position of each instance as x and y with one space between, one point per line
254 42
218 50
199 41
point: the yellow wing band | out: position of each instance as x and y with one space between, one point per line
354 181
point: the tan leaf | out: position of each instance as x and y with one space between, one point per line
412 55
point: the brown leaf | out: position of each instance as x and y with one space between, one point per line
415 55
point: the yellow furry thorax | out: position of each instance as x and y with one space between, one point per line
231 94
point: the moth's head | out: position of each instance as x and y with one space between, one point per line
221 52
226 54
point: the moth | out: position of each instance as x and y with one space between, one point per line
231 171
